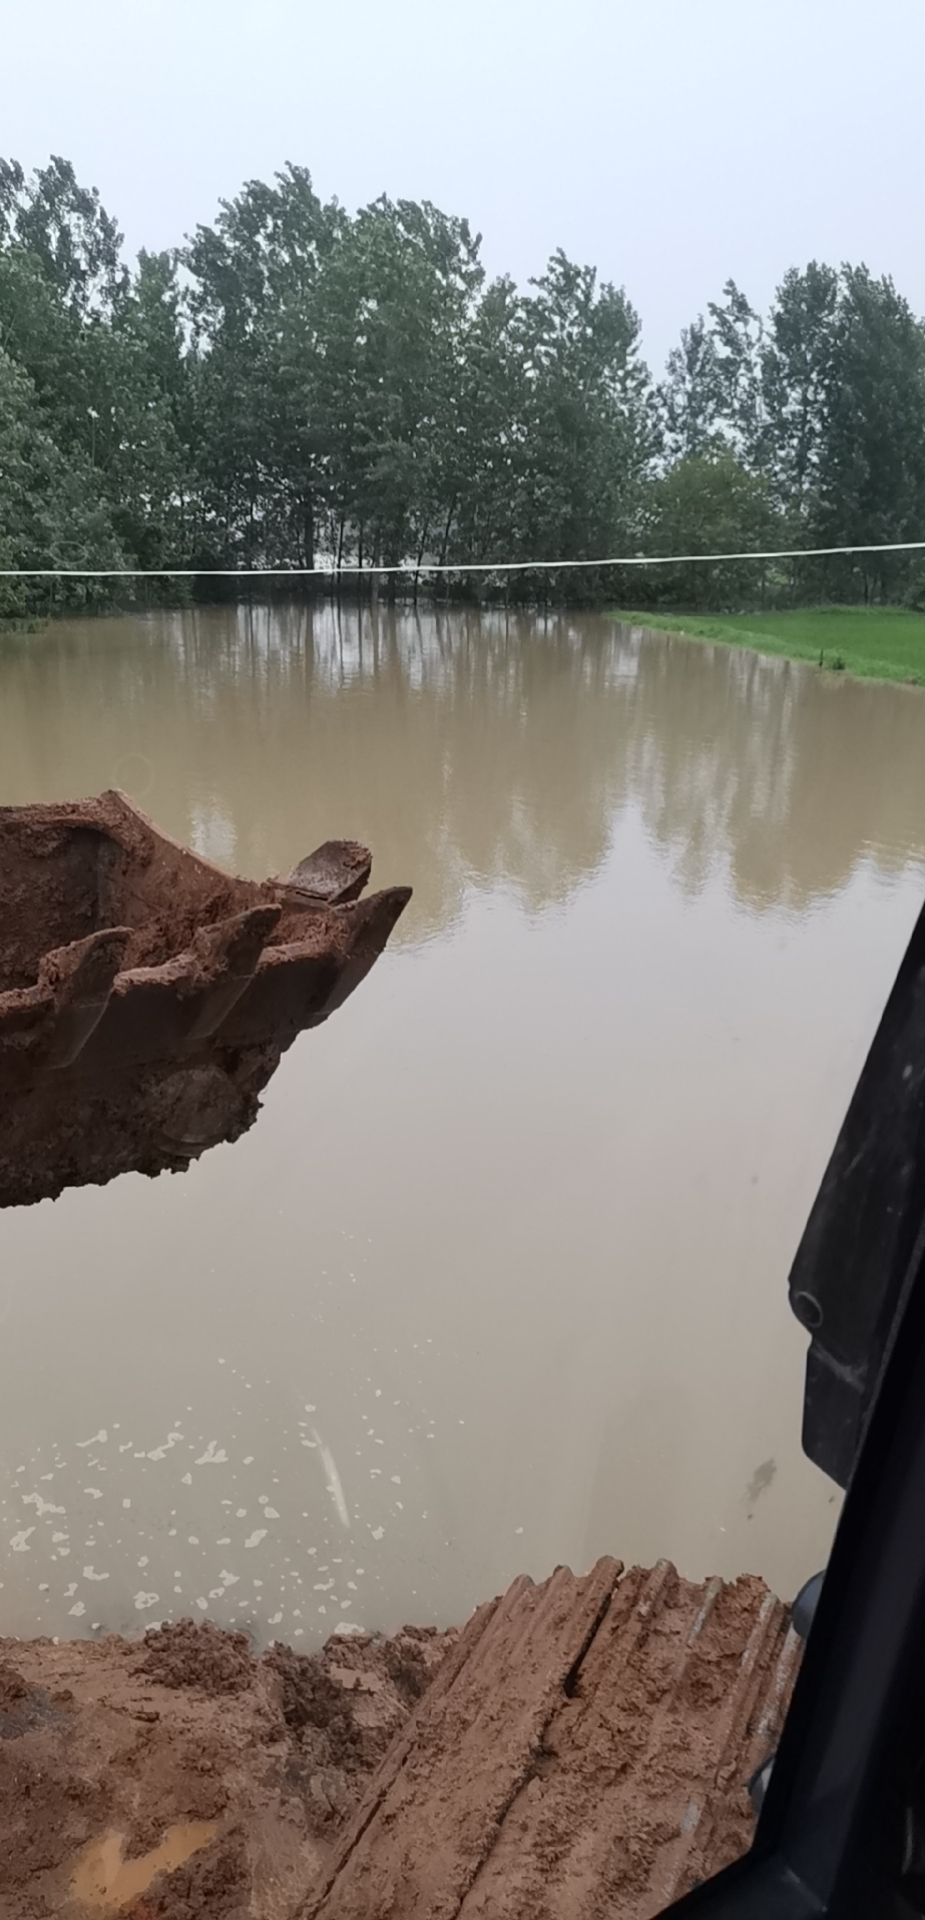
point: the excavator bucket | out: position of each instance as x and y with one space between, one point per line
146 996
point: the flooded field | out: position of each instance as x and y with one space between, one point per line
499 1277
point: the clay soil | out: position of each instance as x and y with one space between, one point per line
579 1748
142 1740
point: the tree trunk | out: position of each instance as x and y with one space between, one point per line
446 532
340 550
417 571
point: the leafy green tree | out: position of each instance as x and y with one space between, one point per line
826 406
395 298
51 513
712 392
299 381
689 394
484 455
149 476
710 504
737 337
798 373
589 430
254 275
71 238
871 478
39 333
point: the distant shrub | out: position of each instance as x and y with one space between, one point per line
914 596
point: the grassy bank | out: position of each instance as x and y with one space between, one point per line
875 643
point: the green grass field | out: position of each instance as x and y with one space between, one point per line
879 643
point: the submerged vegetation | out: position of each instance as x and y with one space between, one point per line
298 385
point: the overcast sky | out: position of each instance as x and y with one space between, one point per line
672 143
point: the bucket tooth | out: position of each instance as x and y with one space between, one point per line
229 953
81 977
69 998
335 872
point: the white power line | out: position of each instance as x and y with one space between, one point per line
333 572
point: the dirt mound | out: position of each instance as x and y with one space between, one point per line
191 1653
344 1708
146 997
579 1748
179 1777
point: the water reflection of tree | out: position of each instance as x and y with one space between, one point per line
471 748
789 777
461 750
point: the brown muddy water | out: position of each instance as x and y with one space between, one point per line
499 1278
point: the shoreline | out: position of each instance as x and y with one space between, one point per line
885 644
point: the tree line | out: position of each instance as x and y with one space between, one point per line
297 385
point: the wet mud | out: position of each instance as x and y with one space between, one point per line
179 1776
579 1747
